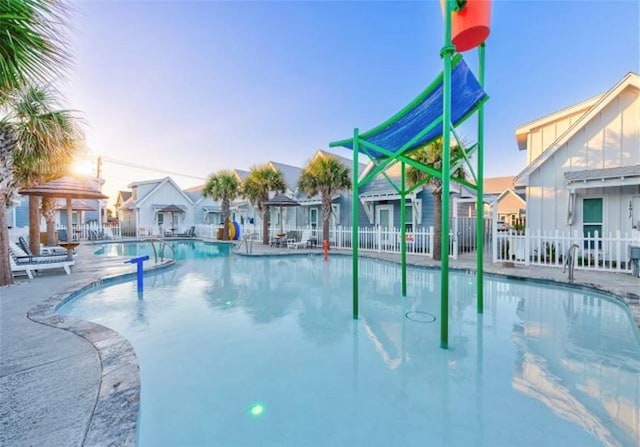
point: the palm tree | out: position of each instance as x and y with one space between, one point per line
261 181
431 155
47 139
324 175
32 48
223 186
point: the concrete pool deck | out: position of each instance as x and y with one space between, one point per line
52 381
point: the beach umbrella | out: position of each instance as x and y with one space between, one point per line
67 187
280 200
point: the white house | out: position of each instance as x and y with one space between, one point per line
583 164
156 207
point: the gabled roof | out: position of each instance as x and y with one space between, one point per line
166 180
581 107
123 196
290 173
629 80
241 174
348 162
510 191
497 185
146 182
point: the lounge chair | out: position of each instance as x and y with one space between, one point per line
305 240
45 251
30 264
191 232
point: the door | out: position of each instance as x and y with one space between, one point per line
313 221
592 220
384 222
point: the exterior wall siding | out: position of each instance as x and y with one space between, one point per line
611 139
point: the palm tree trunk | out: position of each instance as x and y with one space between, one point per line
7 189
225 219
265 226
49 214
437 227
326 216
6 277
34 224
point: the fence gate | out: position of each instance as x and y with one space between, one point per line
463 227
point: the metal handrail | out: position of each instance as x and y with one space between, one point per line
164 244
569 262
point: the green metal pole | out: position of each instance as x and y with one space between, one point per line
355 218
480 201
446 53
403 225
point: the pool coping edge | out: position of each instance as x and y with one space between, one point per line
114 418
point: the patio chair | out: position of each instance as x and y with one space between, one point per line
305 240
31 264
45 251
191 232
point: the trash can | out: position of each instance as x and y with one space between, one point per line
634 258
219 233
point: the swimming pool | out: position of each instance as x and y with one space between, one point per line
238 351
174 249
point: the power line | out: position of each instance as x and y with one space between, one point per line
148 168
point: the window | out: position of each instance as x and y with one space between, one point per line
160 218
408 222
592 219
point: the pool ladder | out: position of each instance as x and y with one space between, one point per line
247 240
163 244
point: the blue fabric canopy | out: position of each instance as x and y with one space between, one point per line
466 96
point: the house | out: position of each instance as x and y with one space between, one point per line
583 164
155 208
509 199
310 209
122 197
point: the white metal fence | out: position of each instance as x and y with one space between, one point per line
593 252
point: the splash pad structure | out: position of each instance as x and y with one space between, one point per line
452 98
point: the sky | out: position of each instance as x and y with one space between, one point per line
194 87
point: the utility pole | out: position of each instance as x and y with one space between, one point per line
99 175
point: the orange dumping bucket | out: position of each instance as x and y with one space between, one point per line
470 25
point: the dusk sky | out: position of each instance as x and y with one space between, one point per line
194 87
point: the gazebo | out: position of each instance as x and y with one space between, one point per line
281 201
68 188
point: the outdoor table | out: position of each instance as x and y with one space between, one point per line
69 246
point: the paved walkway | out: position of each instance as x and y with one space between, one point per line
49 378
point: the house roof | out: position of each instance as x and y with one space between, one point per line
242 174
290 173
124 195
523 130
629 80
497 185
131 204
603 178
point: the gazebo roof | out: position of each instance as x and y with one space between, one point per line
65 187
402 132
281 200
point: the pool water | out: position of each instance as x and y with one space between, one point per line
181 249
238 351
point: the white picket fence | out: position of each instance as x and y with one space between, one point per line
91 231
594 252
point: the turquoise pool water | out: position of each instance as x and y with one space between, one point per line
180 249
239 351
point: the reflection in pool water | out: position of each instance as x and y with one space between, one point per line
263 351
